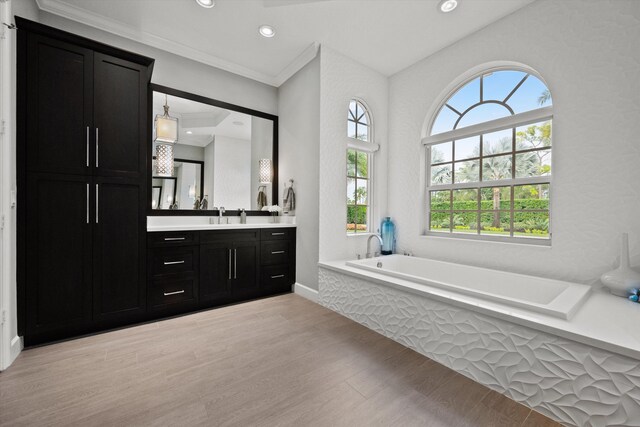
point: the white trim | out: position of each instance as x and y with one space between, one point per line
305 292
17 344
363 146
118 28
521 119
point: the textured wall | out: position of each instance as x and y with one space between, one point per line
342 79
299 106
565 380
588 53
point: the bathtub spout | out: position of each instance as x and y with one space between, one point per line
369 255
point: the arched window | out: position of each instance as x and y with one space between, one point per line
489 159
360 149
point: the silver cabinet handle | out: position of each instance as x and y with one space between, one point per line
173 262
87 203
277 234
97 145
276 252
97 203
168 239
181 291
279 276
235 263
229 264
87 146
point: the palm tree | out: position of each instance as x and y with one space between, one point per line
439 174
544 97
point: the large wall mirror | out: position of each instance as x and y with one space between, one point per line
207 154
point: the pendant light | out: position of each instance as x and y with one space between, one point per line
166 135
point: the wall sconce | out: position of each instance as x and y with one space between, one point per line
264 166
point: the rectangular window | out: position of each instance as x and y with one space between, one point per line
493 184
358 190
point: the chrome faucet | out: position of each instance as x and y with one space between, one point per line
368 255
220 213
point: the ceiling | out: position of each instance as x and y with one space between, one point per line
202 120
386 35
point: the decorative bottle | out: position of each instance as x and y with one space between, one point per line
388 234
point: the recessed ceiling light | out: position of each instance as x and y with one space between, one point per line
267 31
206 3
189 132
447 5
238 123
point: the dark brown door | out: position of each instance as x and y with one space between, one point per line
119 249
58 255
59 106
245 268
216 267
120 117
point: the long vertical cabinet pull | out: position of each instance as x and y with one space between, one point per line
235 263
97 145
97 203
87 147
87 203
229 264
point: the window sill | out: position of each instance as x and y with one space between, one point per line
359 234
519 241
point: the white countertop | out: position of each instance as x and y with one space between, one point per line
191 223
604 321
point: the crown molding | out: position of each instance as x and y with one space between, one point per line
112 26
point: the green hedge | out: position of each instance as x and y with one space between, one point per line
356 214
488 205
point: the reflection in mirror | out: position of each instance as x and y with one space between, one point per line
217 157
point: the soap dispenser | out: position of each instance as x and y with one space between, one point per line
243 217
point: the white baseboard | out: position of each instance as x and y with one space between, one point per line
17 344
306 292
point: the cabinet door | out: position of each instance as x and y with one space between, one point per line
120 117
58 256
119 249
59 106
216 266
245 268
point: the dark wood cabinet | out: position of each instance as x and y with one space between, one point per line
59 101
120 112
58 249
228 269
119 247
82 135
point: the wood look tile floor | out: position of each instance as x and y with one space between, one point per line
274 362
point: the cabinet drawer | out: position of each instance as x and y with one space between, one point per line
276 276
229 235
166 292
277 233
172 238
174 260
275 252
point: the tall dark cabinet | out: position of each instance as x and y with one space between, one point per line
82 135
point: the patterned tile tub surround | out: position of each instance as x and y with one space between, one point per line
570 382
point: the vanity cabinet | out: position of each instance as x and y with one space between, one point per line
201 269
81 171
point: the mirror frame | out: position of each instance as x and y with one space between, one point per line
220 104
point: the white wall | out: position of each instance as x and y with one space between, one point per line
188 152
231 173
299 133
588 53
342 79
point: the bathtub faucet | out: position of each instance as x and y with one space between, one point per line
369 245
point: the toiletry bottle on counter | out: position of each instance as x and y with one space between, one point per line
388 234
243 217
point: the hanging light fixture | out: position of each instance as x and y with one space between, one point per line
166 135
264 166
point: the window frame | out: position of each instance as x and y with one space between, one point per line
514 121
368 147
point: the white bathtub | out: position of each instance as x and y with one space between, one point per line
547 296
